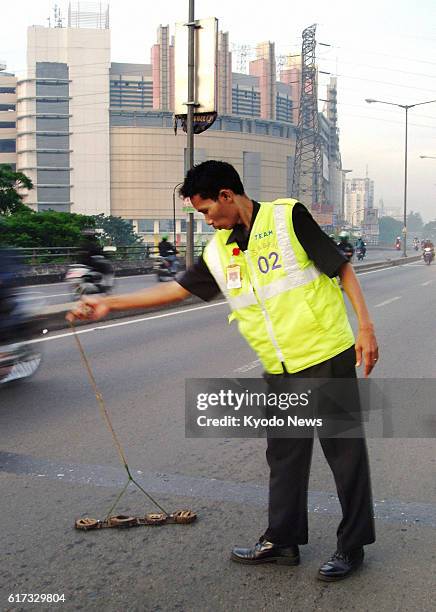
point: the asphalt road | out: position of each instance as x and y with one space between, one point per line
59 293
58 463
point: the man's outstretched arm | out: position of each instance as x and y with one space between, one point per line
94 308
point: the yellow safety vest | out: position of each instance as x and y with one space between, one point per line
288 311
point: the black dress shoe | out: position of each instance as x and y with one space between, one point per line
267 552
341 565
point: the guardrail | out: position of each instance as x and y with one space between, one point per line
65 255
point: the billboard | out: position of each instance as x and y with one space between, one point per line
206 53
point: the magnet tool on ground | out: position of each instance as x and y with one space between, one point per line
180 517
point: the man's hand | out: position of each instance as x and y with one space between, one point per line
366 346
89 308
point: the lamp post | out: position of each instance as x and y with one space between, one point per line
406 109
174 212
344 172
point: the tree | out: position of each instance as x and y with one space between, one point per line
429 230
389 229
414 223
27 228
116 231
11 200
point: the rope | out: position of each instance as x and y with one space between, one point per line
105 414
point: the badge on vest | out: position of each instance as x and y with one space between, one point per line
233 271
234 276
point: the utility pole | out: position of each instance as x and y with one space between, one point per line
191 104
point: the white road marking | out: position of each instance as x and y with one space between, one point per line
426 283
248 366
394 299
45 296
130 322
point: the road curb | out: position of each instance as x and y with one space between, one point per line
54 316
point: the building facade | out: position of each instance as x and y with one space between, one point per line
63 119
97 137
8 117
359 206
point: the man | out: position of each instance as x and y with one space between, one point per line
361 245
92 256
168 251
277 270
345 245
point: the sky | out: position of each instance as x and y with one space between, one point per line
380 49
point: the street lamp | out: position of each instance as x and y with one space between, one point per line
406 108
174 212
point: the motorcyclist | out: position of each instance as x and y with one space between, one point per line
91 255
345 245
168 252
398 243
428 244
361 245
416 243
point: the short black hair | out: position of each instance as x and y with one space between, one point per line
207 180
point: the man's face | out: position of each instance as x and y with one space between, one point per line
222 213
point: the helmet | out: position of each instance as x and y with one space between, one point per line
344 235
164 236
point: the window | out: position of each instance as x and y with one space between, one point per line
7 146
183 226
7 124
53 177
52 89
52 124
53 194
57 107
7 90
7 107
166 225
53 160
206 229
46 141
146 226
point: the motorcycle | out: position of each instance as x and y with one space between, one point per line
164 269
360 254
398 246
428 255
19 359
84 280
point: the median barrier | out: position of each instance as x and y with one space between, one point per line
54 316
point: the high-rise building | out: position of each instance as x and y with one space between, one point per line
224 75
162 65
359 197
8 117
62 114
291 75
264 67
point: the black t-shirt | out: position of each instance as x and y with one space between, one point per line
321 249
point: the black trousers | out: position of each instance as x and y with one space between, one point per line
289 461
